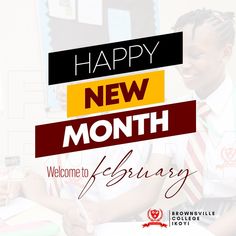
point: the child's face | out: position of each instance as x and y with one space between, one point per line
203 65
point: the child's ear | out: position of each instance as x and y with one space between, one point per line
227 52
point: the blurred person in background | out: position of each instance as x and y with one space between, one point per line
207 47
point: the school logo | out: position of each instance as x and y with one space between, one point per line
155 216
227 151
229 155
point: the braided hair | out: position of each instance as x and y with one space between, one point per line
222 22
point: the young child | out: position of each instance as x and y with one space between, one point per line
207 47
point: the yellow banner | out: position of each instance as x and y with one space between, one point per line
117 93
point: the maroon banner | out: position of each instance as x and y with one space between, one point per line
116 128
155 223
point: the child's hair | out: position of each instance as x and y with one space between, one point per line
223 23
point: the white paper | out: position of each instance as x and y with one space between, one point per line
119 24
15 207
64 9
90 12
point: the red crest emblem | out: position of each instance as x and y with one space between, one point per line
155 216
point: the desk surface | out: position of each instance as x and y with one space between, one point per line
39 213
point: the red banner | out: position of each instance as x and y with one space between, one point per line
116 128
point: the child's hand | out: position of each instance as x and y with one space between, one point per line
8 191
